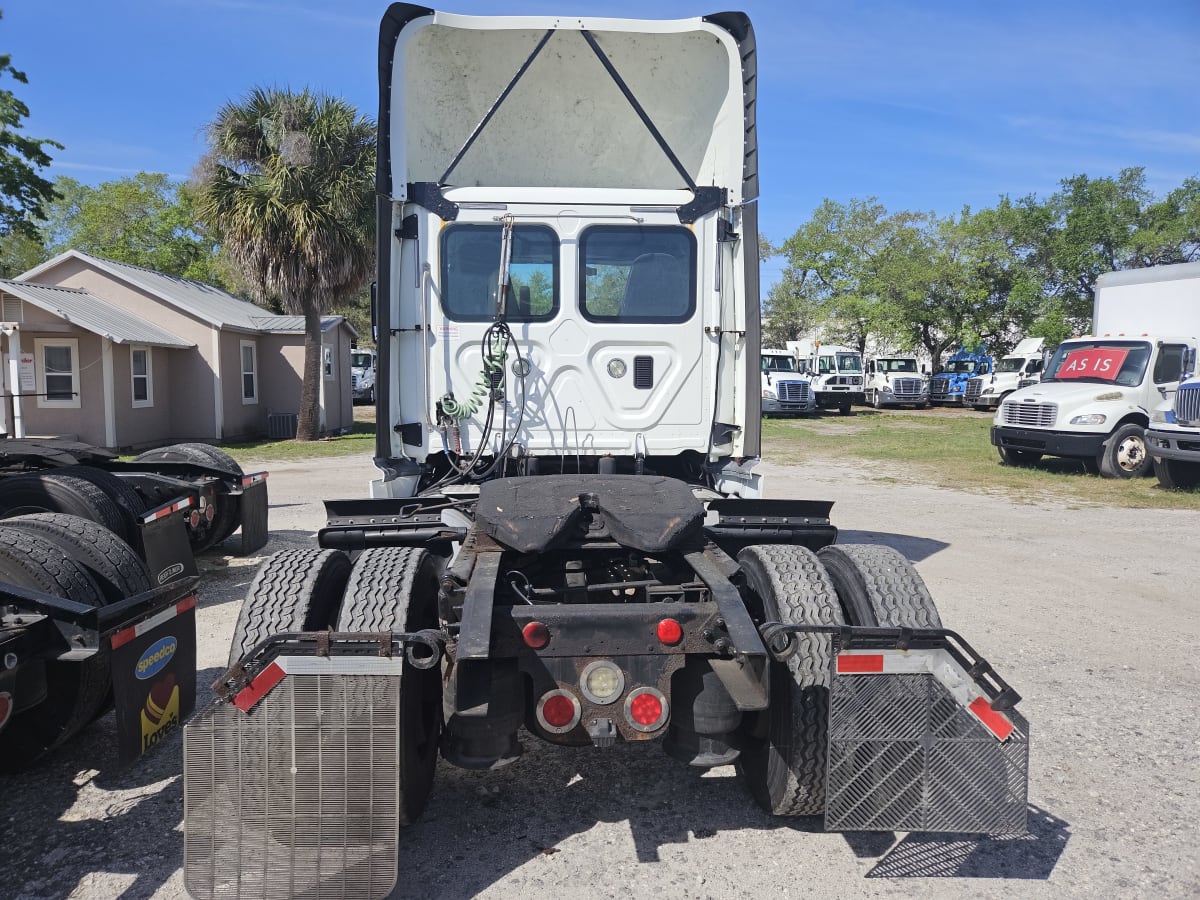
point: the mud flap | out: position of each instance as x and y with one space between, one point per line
915 745
165 545
154 676
292 788
252 512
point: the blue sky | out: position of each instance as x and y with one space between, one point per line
927 106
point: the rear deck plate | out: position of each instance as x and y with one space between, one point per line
299 796
904 755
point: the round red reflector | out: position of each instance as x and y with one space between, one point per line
645 709
670 631
558 711
536 635
194 518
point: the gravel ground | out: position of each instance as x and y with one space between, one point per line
1086 611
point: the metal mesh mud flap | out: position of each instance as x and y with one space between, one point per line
905 755
299 796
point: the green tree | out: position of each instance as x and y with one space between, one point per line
23 191
146 220
289 185
845 267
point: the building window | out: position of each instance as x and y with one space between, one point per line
141 376
58 371
249 372
327 362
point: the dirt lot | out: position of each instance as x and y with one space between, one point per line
1090 613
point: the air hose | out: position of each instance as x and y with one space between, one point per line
489 380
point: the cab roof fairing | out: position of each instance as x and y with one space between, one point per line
527 102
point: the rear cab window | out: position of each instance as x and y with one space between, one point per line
636 273
470 267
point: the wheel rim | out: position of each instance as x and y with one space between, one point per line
1131 454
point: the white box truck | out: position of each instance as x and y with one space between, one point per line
1023 364
1094 400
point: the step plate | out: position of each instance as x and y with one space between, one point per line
905 755
299 796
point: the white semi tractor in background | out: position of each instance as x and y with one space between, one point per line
835 372
568 541
1097 392
362 375
1017 369
786 390
896 381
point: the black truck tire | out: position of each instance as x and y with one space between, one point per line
1012 457
396 589
1177 474
76 691
116 569
879 587
293 590
785 770
52 491
225 516
120 490
1125 454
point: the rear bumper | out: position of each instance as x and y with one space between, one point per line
1052 443
1181 445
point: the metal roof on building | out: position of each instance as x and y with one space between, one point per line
218 308
90 313
295 324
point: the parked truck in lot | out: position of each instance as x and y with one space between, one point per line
1018 369
949 386
204 482
362 375
1173 438
569 537
785 389
896 381
835 373
1097 392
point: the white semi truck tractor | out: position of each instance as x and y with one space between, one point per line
569 540
896 381
1097 391
785 388
1024 364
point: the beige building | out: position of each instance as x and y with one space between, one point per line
124 357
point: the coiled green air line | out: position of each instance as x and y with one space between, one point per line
491 376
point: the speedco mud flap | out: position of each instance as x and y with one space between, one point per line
291 786
923 738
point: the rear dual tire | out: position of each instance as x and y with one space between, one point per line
225 513
783 764
392 589
76 691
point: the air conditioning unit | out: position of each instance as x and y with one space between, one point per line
281 426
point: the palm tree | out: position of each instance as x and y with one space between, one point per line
288 185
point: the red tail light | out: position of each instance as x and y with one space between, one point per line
536 635
670 632
558 711
646 709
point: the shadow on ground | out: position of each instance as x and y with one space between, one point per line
913 547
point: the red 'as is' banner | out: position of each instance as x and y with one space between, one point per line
1094 362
